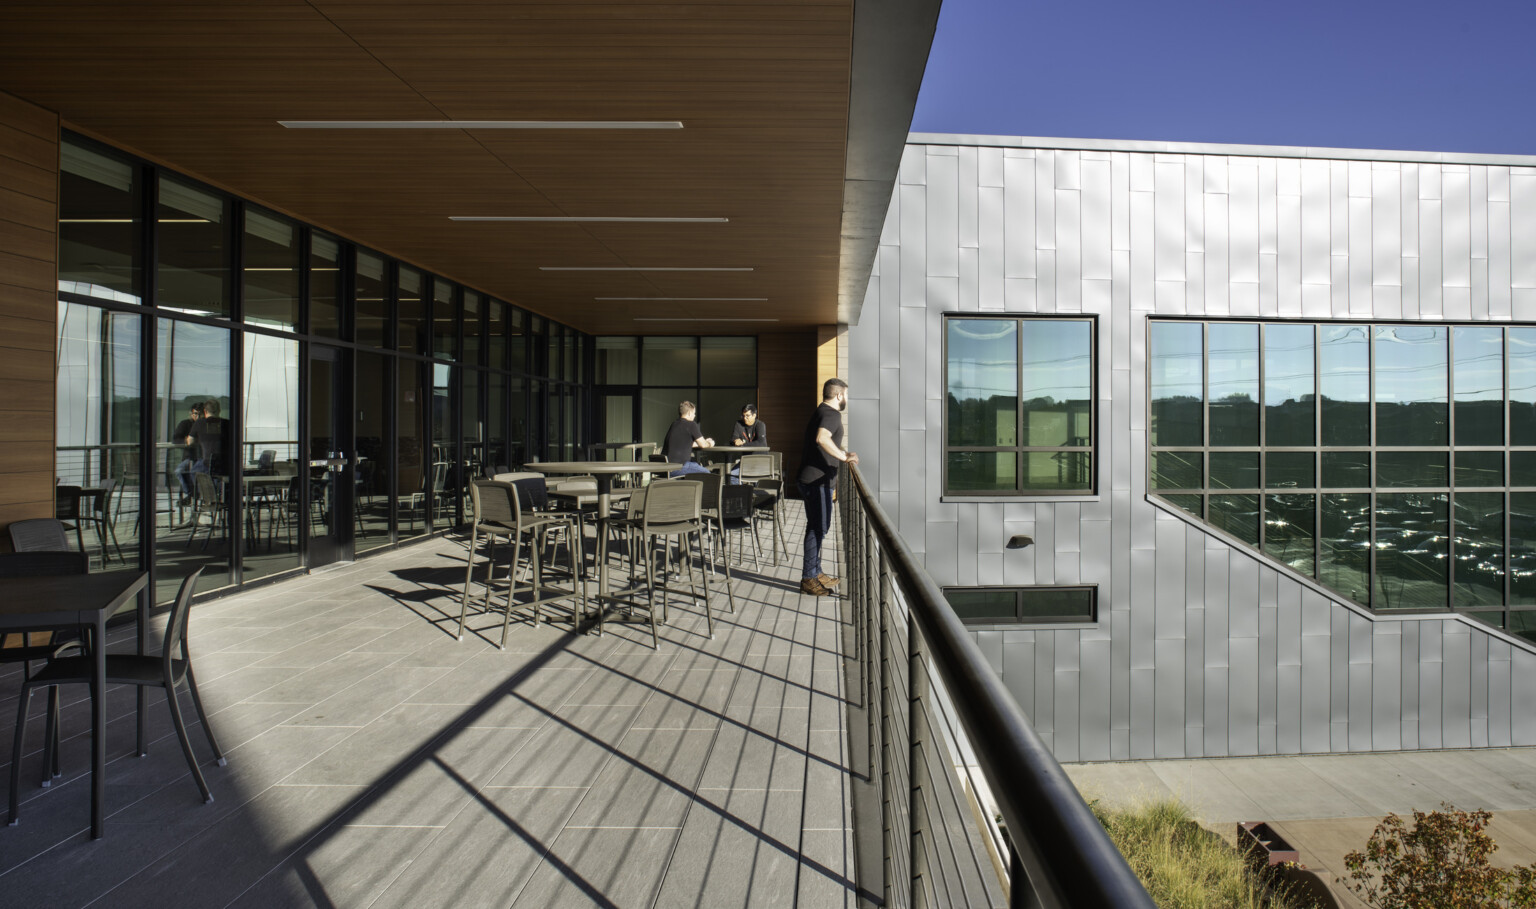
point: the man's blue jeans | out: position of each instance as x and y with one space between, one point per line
690 467
818 520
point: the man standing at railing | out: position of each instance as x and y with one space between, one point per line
819 457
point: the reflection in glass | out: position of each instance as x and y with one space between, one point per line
1175 469
97 430
1289 470
324 286
517 340
1522 385
411 313
271 454
1479 549
1522 468
371 432
269 270
1522 550
1411 381
1191 504
99 224
495 334
1289 387
1344 545
1237 515
1478 379
1346 470
1412 551
473 332
983 605
370 301
1177 384
1234 383
983 471
553 368
473 429
982 371
447 466
1479 468
445 321
728 361
1344 384
1398 469
1058 471
1522 624
669 361
517 427
1056 370
418 475
618 361
496 422
193 270
1234 470
1289 530
193 365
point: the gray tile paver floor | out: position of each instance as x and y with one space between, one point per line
376 761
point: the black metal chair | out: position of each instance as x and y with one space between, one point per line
765 473
27 647
168 671
672 512
66 508
499 514
39 535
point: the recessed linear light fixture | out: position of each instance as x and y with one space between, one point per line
578 219
482 124
634 268
703 320
683 299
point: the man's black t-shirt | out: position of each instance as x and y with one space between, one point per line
211 434
816 467
179 437
756 434
677 447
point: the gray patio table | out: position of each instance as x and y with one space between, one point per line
83 601
603 472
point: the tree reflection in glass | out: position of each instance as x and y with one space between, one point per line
1234 383
1289 386
1178 380
1411 382
1344 383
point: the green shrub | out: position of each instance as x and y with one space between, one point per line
1183 865
1441 862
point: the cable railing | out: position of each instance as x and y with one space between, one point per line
973 808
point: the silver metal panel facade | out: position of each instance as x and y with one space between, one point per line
1201 649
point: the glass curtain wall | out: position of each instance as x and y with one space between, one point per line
98 401
214 475
1393 463
269 483
641 382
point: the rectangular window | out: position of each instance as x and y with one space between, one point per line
1020 406
1023 605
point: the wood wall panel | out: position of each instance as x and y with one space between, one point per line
787 391
29 154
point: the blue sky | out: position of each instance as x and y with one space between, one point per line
1410 75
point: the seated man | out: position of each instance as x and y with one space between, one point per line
749 430
683 436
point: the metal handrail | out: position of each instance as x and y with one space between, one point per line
1058 844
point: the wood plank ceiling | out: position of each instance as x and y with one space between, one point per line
761 86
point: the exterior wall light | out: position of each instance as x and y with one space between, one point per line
1020 540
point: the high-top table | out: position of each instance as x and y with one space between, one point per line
85 602
724 454
603 472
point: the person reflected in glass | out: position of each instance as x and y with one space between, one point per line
820 456
212 436
182 435
683 436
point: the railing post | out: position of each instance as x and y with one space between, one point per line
917 763
887 800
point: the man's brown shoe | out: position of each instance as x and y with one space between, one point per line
814 587
827 581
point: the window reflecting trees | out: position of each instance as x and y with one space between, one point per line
1380 466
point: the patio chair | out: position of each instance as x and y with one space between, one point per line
673 513
27 647
498 513
765 473
206 501
172 667
66 508
39 535
723 502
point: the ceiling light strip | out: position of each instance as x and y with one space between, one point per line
635 268
683 299
642 319
581 218
481 124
